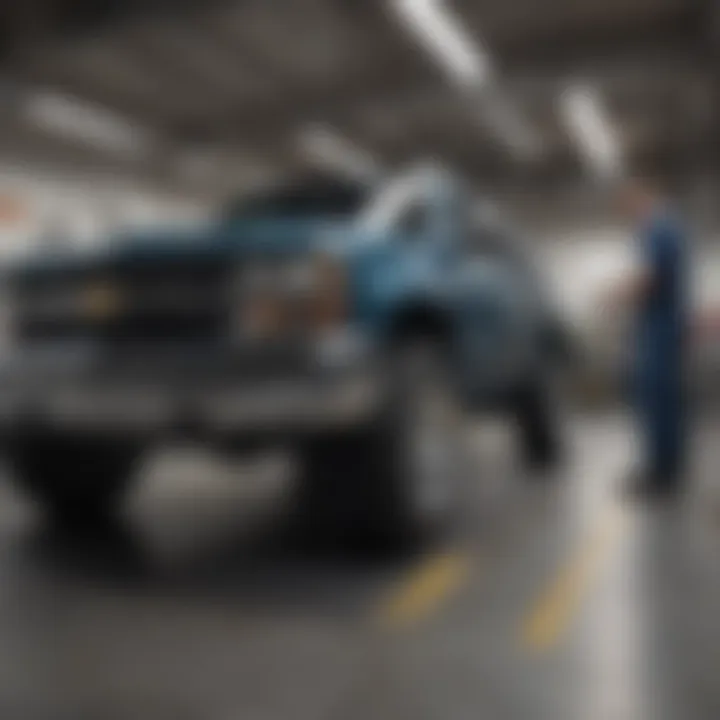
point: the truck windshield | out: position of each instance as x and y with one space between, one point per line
396 198
325 198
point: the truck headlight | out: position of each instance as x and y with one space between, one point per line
279 295
100 301
329 299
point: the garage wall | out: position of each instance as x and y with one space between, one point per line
582 265
78 208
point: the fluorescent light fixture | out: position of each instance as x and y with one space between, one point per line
325 147
443 35
394 196
583 115
75 119
469 66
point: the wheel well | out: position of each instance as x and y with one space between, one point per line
421 320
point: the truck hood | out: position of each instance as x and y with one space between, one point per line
256 237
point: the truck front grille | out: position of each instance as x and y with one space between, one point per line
184 302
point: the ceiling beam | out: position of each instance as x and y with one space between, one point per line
41 29
712 48
535 70
327 103
709 142
671 162
567 50
47 21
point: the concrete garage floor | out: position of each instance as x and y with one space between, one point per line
550 600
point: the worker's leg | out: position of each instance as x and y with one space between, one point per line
668 435
658 405
646 413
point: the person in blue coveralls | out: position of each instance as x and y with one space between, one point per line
657 294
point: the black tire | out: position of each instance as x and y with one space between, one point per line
363 486
539 427
73 479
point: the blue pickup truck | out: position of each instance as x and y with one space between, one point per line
356 325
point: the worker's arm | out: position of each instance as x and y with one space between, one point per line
660 250
634 290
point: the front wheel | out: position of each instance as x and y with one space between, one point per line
395 481
539 427
73 479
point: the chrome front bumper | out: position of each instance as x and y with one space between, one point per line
272 407
216 396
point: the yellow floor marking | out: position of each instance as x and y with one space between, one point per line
424 589
553 611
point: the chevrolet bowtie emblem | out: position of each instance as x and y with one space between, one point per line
101 301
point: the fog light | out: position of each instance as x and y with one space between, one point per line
336 348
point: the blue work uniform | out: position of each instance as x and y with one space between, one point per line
661 348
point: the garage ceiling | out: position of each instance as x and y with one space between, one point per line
237 80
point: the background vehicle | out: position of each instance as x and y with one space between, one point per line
355 326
